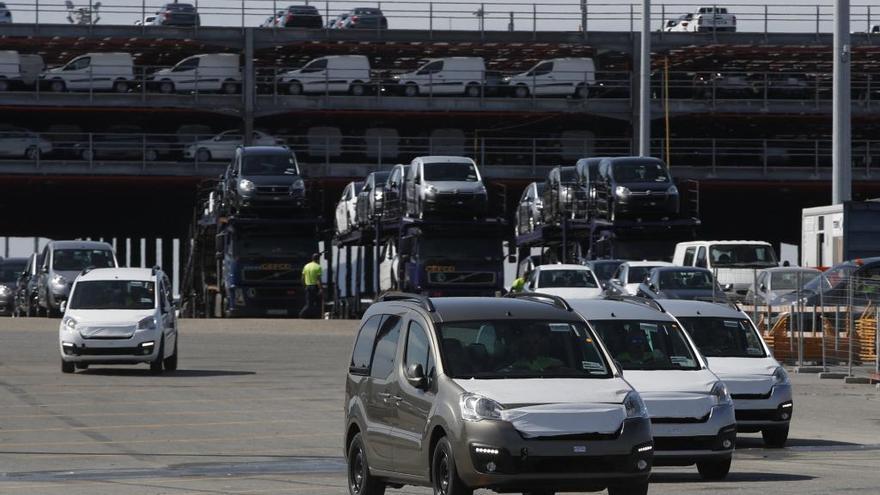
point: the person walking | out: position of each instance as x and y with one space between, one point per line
311 277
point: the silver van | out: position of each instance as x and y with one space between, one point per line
509 394
63 261
445 185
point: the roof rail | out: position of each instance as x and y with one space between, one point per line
423 301
644 301
541 297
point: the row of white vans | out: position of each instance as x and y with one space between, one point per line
335 73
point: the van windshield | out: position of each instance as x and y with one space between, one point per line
637 274
496 349
566 278
114 294
9 271
269 164
742 255
453 171
724 337
685 279
79 259
639 171
647 345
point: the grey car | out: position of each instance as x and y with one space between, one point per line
263 178
445 185
509 394
371 200
10 271
775 283
62 263
679 282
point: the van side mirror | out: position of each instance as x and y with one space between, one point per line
763 288
652 287
511 258
44 269
63 307
415 376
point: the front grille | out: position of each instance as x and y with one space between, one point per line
110 333
578 436
706 442
660 421
109 351
756 414
448 278
257 275
752 396
571 464
274 190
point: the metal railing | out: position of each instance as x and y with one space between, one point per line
572 15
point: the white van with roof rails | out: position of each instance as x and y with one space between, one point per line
734 263
758 384
445 76
93 71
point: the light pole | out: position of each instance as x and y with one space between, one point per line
645 82
841 137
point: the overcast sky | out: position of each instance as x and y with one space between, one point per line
551 15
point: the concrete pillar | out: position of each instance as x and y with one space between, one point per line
248 86
645 82
841 138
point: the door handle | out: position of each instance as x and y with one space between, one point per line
385 396
396 398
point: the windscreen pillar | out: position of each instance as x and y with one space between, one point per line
841 139
248 87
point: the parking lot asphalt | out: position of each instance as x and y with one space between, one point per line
256 408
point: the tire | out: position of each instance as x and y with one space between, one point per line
521 91
120 86
203 155
444 476
472 91
410 90
32 153
295 88
82 366
4 85
230 88
156 364
166 87
582 92
633 489
67 367
360 481
714 470
57 86
775 438
170 362
357 89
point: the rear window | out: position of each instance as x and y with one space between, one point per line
302 9
362 11
180 7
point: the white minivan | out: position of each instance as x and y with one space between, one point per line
555 77
93 71
10 70
201 73
445 76
735 263
331 74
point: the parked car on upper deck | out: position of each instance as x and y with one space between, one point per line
635 187
371 199
704 19
564 196
445 76
448 185
365 18
223 145
5 14
19 142
330 74
676 282
530 210
300 16
178 15
98 71
338 22
206 72
555 77
263 178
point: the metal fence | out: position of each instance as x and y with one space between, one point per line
574 15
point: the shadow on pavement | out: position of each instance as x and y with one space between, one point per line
733 477
178 373
800 443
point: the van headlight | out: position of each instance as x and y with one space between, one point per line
634 405
780 376
621 191
59 282
720 393
148 323
476 408
298 184
4 290
69 323
246 186
672 191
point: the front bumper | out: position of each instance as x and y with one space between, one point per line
653 205
272 200
582 462
142 347
463 204
684 441
761 412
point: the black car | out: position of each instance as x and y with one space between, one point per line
676 282
10 271
371 199
635 187
301 16
564 197
26 287
177 14
365 18
263 177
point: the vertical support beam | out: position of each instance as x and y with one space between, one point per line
248 86
841 155
645 82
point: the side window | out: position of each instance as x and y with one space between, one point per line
363 347
701 257
418 347
432 68
188 64
542 69
386 347
689 256
45 263
533 279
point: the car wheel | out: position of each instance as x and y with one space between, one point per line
57 86
156 363
582 91
166 87
32 153
120 86
87 155
521 91
4 85
360 481
357 89
170 362
633 489
67 367
472 90
295 88
203 155
411 90
714 470
775 437
82 366
151 155
444 476
230 88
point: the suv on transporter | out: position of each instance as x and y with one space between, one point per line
263 178
510 394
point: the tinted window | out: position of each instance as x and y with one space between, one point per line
417 347
742 255
567 278
604 270
432 68
461 171
681 279
568 175
637 274
520 349
701 257
114 294
386 347
640 171
78 259
269 164
9 271
646 345
724 337
689 256
542 69
363 347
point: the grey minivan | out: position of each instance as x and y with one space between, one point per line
445 185
62 263
511 394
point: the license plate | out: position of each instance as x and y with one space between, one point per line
276 312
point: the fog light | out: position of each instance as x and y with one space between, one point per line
490 467
785 415
646 448
642 465
726 444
